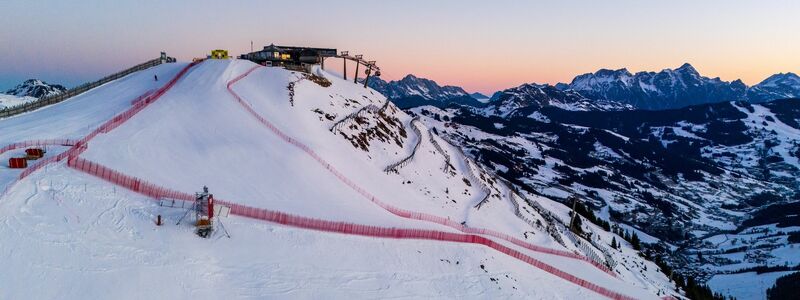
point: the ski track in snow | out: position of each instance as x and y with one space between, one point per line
366 194
76 217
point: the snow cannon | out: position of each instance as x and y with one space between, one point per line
34 153
204 213
18 162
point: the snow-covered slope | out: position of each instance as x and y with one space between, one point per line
778 86
70 235
689 182
11 100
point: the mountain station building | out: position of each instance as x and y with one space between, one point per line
289 55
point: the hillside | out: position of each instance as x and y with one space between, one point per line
703 185
11 100
279 143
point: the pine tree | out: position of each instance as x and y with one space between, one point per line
635 242
614 243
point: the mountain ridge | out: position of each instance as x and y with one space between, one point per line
609 89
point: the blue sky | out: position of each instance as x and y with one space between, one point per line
481 45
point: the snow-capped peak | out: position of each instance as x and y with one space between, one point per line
781 85
785 79
535 96
36 88
687 68
413 86
409 77
666 89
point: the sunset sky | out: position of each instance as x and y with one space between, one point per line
480 45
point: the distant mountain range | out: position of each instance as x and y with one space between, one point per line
704 169
681 87
28 91
415 86
602 90
36 88
544 95
412 91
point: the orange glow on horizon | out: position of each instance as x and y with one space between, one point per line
478 45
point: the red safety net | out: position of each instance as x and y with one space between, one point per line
155 191
78 146
152 190
37 143
34 152
396 210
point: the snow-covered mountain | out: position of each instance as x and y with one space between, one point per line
778 86
666 89
334 191
411 85
414 91
603 90
714 179
606 90
30 90
480 97
36 88
542 95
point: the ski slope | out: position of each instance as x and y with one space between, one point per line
12 100
70 232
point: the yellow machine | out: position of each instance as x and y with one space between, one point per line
219 54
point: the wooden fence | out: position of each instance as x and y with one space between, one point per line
45 101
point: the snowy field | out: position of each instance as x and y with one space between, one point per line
11 100
745 285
